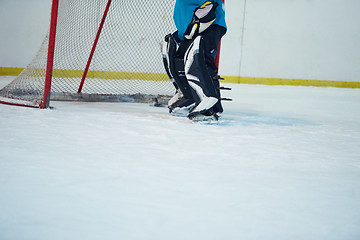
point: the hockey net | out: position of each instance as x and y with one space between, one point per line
126 64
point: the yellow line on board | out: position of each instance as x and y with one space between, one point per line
291 82
66 73
59 73
10 71
110 75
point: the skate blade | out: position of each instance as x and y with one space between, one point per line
182 111
202 118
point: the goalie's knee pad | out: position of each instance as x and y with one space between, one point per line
205 91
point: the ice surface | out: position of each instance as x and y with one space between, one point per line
283 163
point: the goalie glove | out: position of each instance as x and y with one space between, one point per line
203 17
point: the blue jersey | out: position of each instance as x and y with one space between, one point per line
184 11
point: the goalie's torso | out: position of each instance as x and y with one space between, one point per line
184 11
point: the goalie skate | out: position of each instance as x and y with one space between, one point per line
179 102
207 117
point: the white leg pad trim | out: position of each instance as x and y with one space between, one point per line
205 104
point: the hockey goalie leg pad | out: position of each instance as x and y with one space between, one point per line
175 69
205 92
165 55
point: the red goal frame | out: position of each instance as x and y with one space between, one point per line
45 101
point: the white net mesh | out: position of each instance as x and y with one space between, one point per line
127 59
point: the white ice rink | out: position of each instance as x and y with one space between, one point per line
282 164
